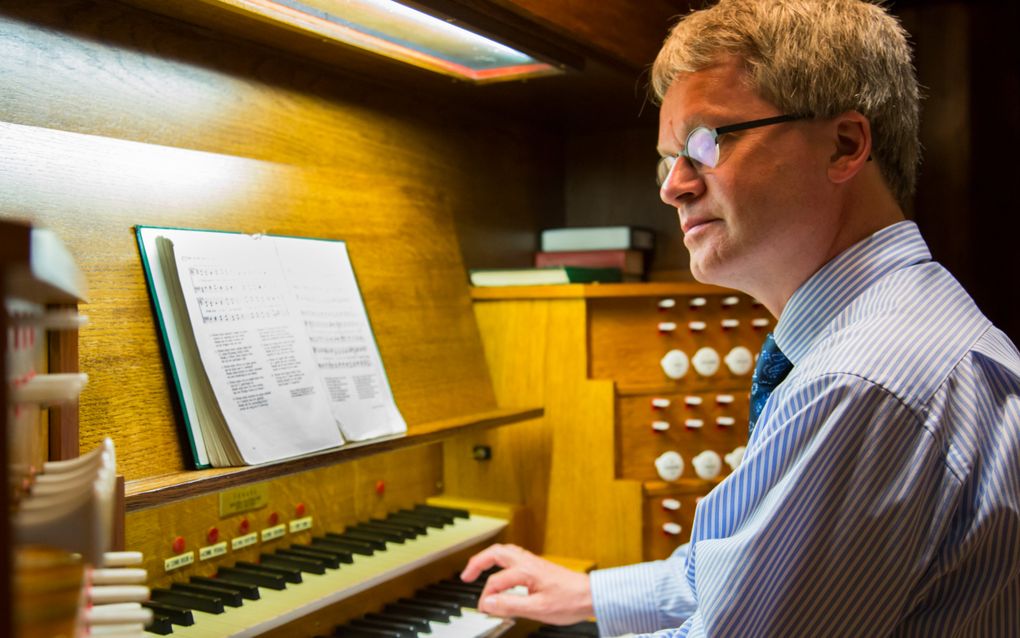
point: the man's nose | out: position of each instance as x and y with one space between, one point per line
683 182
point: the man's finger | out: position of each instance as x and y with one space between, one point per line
491 556
504 580
509 605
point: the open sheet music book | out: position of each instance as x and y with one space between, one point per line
269 344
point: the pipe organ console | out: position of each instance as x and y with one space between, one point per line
249 598
115 117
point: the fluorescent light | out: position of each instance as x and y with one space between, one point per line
397 31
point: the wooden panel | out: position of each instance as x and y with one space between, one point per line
334 496
166 488
142 127
631 34
537 349
63 420
638 445
657 542
627 345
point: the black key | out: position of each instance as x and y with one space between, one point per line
584 628
419 623
160 625
410 608
399 535
374 540
288 574
446 519
400 517
229 598
247 590
456 585
339 543
462 598
329 559
434 603
201 602
177 615
451 511
406 631
303 563
272 581
418 528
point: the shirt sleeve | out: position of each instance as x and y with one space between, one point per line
643 597
827 523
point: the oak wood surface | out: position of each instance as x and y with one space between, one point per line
148 122
161 490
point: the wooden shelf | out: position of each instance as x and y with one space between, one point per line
597 291
683 486
160 490
643 389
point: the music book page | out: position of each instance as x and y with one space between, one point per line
274 344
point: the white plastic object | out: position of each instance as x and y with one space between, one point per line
725 421
117 615
675 364
730 301
730 324
661 403
673 529
104 594
78 517
724 399
665 304
707 465
739 360
671 504
52 320
692 400
122 559
760 322
706 361
660 426
667 326
698 302
693 424
50 389
697 326
669 465
736 457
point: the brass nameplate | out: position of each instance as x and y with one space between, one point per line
244 499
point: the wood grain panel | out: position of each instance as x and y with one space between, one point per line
334 496
658 544
627 345
629 33
537 348
638 445
150 123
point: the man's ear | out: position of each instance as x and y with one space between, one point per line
852 137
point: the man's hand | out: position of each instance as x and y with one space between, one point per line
556 595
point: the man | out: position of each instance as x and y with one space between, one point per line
880 490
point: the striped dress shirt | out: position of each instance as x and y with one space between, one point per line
880 491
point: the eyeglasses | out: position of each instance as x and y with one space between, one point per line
702 145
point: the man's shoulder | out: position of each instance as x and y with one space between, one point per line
907 334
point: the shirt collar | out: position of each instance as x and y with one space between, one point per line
826 293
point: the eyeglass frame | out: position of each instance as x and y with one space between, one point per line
716 132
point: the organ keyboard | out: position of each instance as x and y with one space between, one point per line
257 598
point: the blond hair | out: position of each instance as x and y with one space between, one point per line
822 57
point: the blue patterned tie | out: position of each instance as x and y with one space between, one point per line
771 369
